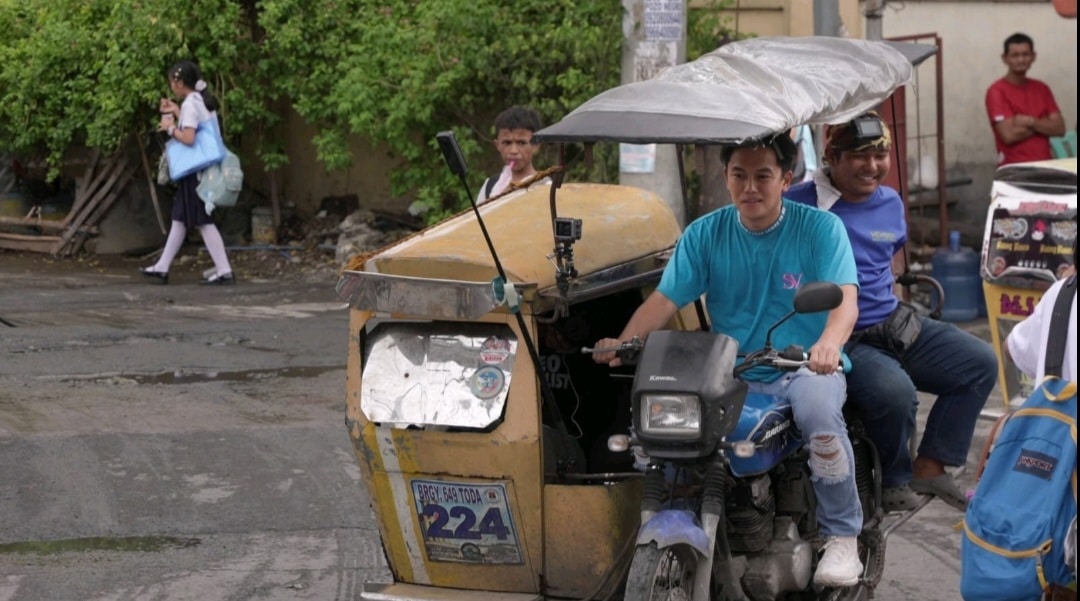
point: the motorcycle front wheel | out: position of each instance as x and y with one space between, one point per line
661 574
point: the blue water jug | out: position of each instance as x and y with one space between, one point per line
957 269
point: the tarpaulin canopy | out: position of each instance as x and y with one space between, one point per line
744 90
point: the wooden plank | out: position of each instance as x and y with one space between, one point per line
100 211
44 224
151 181
89 206
28 243
81 184
110 172
4 170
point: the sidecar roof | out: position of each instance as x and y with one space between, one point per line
746 90
619 224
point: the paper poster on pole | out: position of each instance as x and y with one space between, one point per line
663 19
637 158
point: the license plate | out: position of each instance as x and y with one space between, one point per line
466 522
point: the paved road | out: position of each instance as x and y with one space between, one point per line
176 442
182 442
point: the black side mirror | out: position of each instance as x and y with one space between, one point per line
815 297
452 153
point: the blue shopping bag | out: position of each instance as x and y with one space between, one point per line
208 149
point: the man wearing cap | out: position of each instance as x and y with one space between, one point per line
748 259
895 351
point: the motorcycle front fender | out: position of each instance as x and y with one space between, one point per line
673 527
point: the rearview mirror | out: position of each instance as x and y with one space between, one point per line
815 297
452 153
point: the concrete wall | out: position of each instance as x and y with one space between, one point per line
972 34
305 181
783 17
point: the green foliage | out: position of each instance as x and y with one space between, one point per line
78 72
394 71
708 28
402 70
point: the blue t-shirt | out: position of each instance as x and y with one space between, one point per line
750 280
877 229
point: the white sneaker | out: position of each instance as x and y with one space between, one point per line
839 565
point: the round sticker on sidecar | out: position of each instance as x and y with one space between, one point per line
487 382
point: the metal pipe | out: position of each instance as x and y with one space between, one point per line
939 98
827 18
943 206
873 13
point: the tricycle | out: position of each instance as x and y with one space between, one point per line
1027 246
503 464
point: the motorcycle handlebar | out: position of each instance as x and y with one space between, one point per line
791 358
627 351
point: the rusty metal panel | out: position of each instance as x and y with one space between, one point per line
509 456
588 528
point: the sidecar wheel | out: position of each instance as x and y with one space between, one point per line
661 574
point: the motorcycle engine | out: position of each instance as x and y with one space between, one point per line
771 519
751 512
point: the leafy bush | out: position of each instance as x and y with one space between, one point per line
91 73
395 71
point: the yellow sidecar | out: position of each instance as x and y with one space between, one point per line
444 405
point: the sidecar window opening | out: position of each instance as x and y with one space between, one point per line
449 376
593 400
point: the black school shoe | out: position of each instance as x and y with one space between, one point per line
219 280
161 277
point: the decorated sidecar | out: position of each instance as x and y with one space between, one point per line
480 429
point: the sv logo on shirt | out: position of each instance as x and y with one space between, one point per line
792 281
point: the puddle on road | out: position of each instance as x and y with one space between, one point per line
194 377
143 544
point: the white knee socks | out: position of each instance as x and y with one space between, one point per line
177 232
216 247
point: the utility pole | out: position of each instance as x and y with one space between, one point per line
654 37
827 17
874 10
826 23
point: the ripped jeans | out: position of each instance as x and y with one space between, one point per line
817 403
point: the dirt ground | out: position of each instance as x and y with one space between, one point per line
307 249
248 264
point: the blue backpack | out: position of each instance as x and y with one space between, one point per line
1025 501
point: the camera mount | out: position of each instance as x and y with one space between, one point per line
567 231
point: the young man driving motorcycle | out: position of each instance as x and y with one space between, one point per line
894 351
749 258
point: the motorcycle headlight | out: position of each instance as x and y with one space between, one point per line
676 416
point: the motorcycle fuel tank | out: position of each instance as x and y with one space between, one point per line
767 421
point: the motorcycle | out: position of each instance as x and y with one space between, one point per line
482 432
728 510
